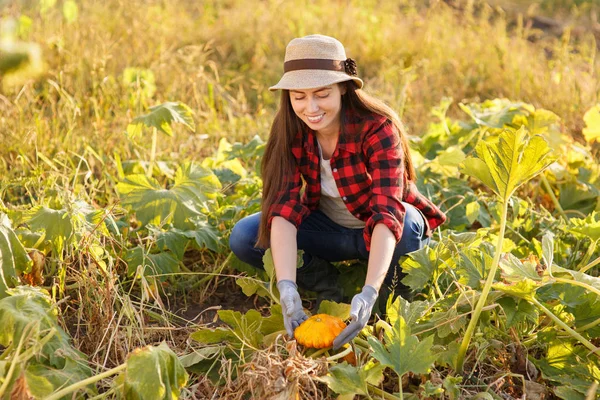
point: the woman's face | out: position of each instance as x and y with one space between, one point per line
319 108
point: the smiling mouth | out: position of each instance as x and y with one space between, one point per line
316 119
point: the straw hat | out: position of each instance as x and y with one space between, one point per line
314 61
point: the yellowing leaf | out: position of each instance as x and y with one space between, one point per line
154 372
505 163
591 131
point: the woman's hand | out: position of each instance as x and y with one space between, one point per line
360 311
291 306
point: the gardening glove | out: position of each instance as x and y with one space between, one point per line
291 306
360 311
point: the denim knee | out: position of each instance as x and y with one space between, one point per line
242 239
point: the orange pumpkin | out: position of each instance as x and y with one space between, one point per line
319 331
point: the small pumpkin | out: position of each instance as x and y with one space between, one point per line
319 331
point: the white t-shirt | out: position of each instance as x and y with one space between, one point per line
331 203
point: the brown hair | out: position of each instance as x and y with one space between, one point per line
278 161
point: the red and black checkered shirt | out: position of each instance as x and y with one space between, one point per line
369 170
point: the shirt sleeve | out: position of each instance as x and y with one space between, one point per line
289 203
385 164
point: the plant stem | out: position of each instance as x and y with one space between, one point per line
81 384
484 294
152 152
590 265
341 354
400 387
566 327
319 352
557 205
381 393
577 283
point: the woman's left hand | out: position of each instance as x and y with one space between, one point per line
360 311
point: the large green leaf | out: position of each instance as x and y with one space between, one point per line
518 311
345 379
153 373
178 205
402 351
13 257
160 264
176 240
506 162
420 266
68 224
161 117
27 316
410 311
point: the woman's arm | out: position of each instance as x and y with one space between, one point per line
284 248
383 244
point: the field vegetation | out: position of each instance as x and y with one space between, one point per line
132 133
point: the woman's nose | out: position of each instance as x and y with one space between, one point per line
312 105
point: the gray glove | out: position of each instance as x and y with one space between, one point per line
360 311
291 306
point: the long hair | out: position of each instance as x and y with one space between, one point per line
278 161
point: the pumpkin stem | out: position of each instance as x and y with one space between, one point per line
340 354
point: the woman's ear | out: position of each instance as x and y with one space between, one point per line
343 88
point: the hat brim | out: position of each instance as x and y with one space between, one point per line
313 78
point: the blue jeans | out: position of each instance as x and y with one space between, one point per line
323 242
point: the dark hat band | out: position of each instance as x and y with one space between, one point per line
313 63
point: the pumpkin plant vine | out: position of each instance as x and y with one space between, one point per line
503 163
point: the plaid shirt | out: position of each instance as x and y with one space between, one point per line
368 167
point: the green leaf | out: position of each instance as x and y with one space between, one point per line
29 311
588 226
340 310
515 270
410 311
151 264
447 322
199 355
213 336
178 205
13 257
591 131
42 379
524 289
496 113
473 211
345 379
402 351
451 384
430 389
474 265
548 249
518 311
420 267
247 327
251 286
161 117
274 322
154 372
505 163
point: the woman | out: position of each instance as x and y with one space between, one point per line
338 184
